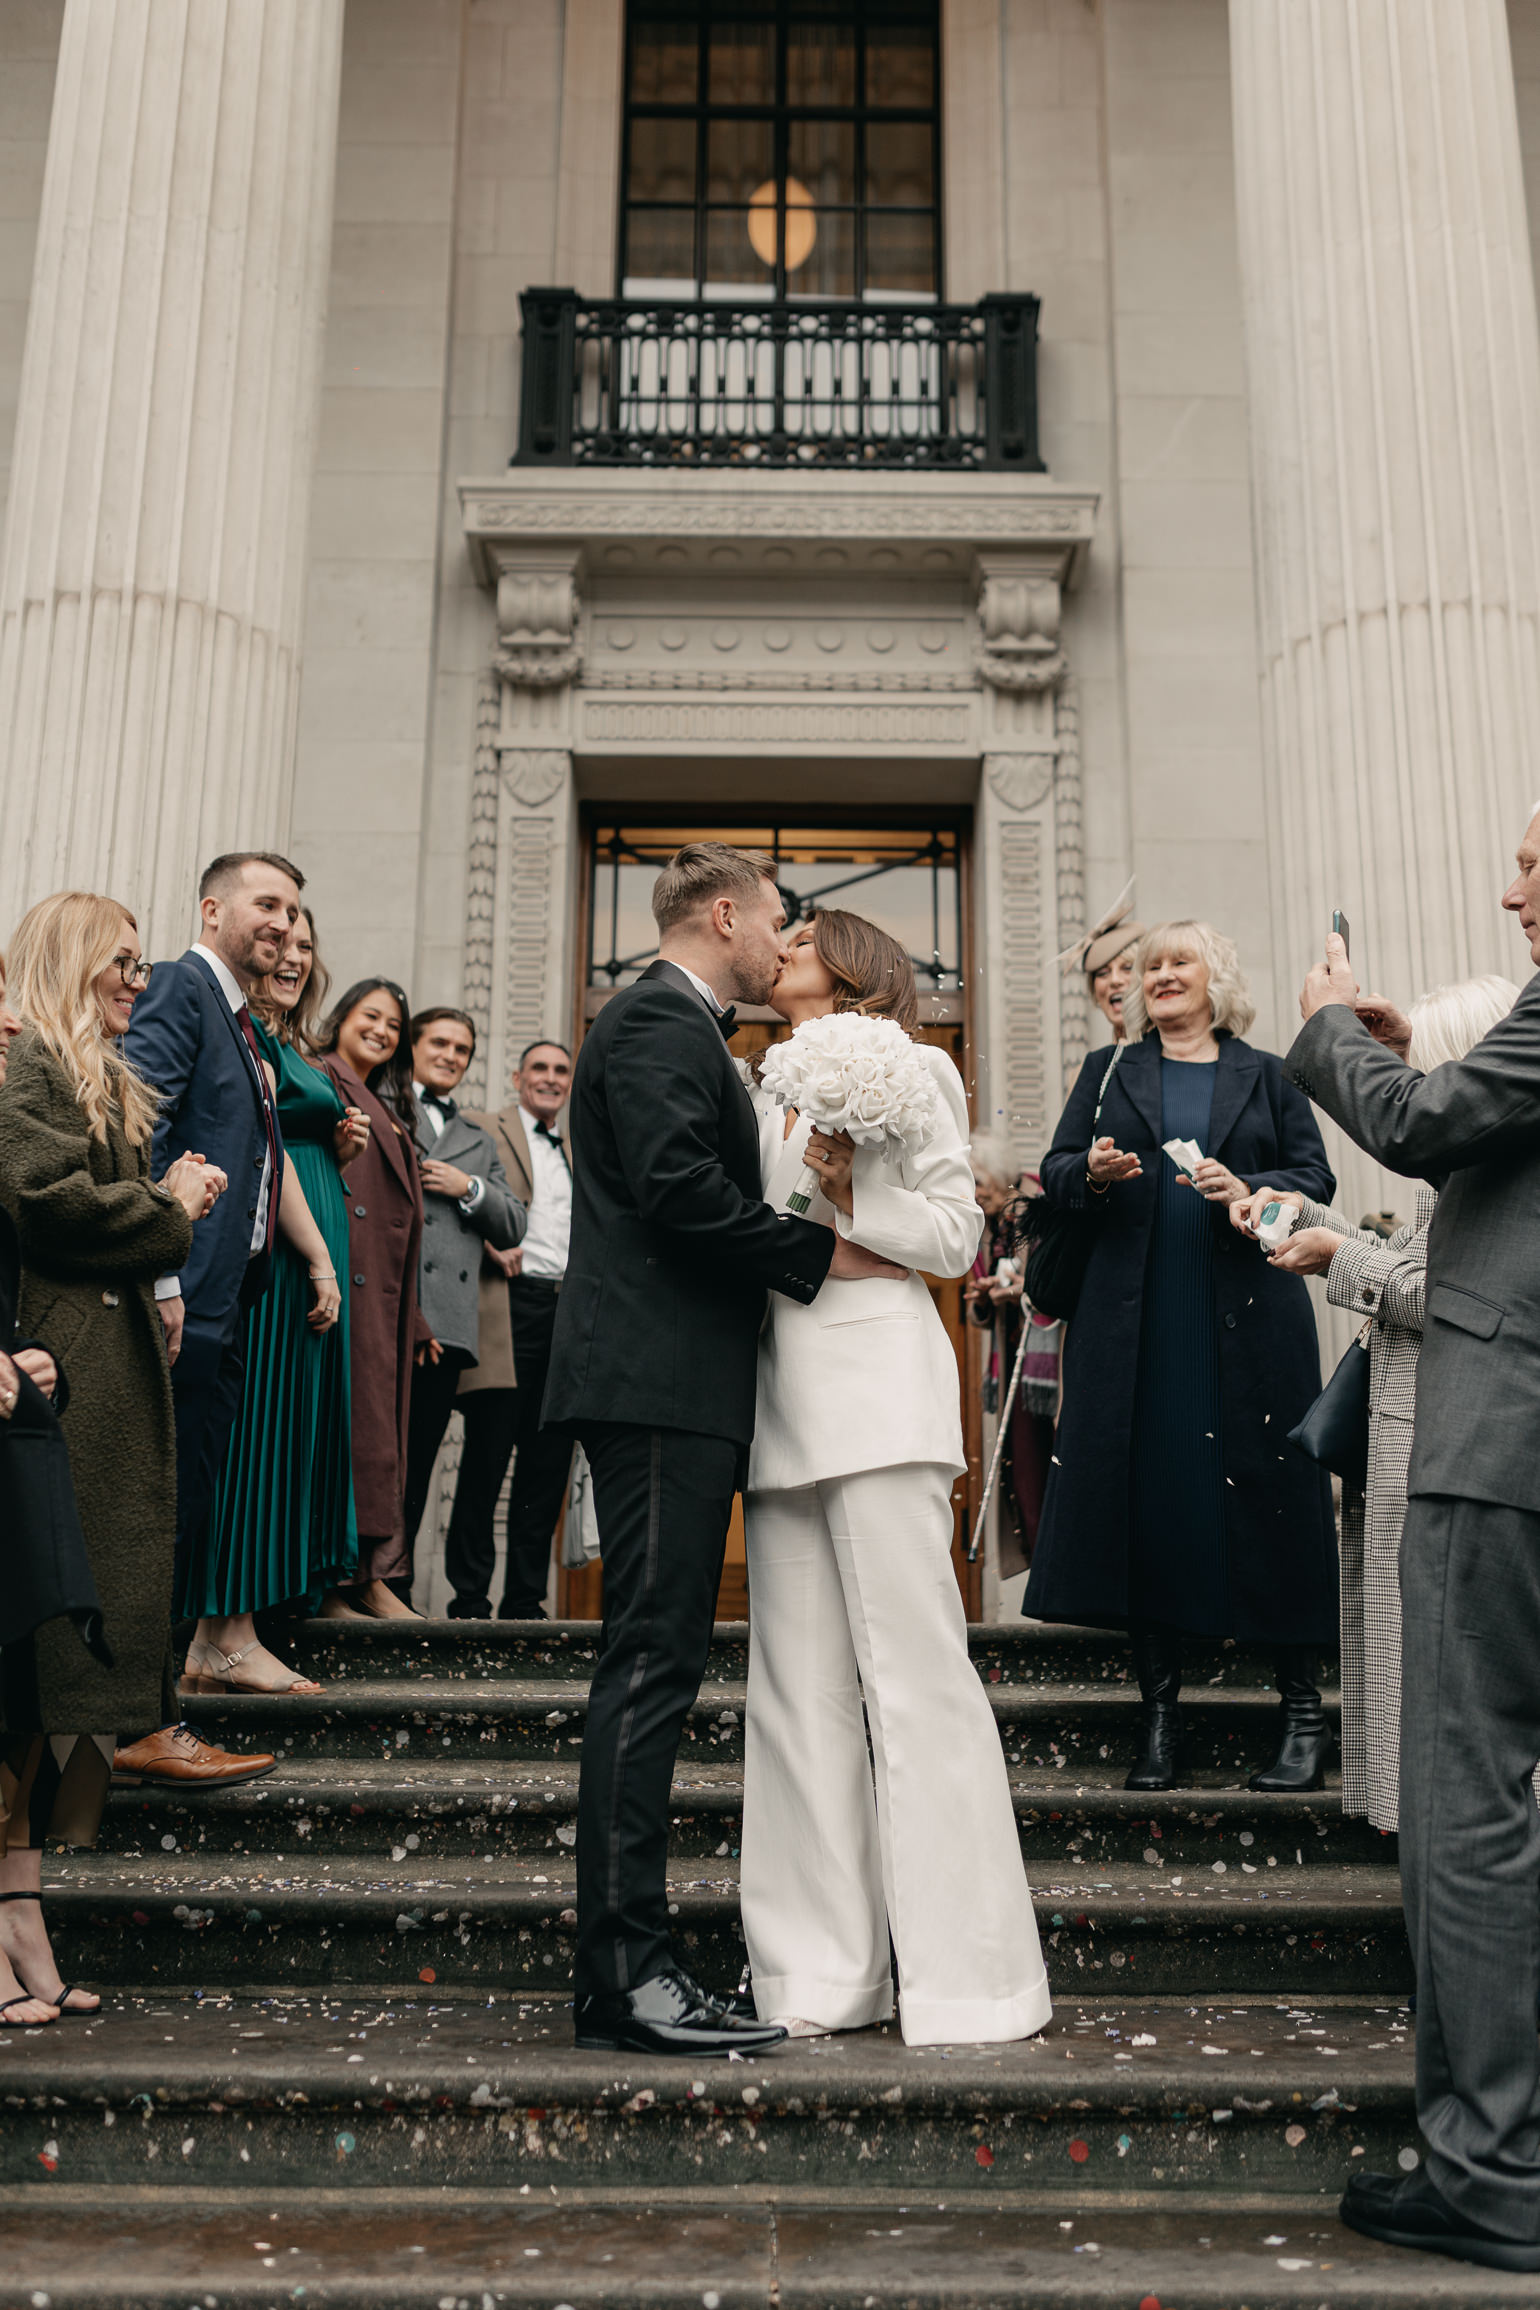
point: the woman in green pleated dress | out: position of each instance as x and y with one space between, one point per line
282 1524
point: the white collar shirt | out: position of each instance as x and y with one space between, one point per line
707 994
550 1206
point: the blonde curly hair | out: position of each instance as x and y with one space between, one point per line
61 947
1229 997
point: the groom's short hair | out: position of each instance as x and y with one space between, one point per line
702 872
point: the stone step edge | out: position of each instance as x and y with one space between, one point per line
1315 1887
368 2200
442 1697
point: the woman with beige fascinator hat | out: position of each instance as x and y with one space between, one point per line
1106 955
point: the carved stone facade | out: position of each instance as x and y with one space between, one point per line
747 638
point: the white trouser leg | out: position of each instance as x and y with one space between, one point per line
814 1917
970 1966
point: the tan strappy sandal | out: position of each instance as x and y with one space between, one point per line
210 1670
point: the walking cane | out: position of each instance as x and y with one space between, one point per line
1005 1428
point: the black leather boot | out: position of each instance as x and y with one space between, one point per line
1158 1665
1301 1759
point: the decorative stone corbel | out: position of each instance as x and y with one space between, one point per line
538 644
1018 645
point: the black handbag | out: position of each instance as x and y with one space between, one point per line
1062 1241
1335 1430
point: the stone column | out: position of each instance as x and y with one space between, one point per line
152 573
1395 434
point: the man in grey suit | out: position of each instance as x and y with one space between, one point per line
467 1202
1470 1600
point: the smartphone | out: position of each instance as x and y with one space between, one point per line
1339 923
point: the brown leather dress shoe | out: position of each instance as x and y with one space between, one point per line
176 1754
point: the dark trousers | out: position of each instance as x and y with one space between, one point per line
663 1498
206 1382
433 1399
1470 1848
498 1423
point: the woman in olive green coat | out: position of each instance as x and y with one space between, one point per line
93 1233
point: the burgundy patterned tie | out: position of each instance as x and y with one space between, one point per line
269 1126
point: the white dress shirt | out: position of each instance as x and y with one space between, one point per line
708 993
170 1286
550 1206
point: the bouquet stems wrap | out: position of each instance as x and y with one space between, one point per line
800 1200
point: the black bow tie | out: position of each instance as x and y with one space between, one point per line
728 1022
544 1131
446 1107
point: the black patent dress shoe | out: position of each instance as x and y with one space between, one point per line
669 2014
1406 2210
470 1608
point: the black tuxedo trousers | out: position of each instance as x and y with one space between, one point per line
663 1497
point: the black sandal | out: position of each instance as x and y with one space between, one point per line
26 1998
77 2012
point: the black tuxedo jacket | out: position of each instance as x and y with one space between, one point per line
673 1248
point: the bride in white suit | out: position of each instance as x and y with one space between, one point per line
848 1508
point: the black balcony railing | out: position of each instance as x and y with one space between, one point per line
917 387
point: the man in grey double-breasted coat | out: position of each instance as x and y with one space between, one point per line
1470 1596
467 1202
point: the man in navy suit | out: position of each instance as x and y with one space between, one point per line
192 1038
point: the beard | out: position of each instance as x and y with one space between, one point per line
754 977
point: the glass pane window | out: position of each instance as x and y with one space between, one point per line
790 127
907 879
665 58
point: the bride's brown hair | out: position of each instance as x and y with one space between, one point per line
870 970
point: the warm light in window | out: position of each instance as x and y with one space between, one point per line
801 224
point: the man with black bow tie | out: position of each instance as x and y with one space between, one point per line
466 1203
500 1398
654 1366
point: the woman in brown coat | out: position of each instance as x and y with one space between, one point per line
93 1234
368 1046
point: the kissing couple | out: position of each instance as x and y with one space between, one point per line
836 1414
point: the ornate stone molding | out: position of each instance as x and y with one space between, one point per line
481 884
691 722
1022 844
538 646
754 510
900 678
532 776
1020 780
1069 876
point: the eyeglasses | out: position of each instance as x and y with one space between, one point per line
133 974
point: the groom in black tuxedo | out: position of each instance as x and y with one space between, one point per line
654 1365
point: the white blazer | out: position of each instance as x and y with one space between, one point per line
866 1377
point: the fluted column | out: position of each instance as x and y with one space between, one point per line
152 573
1395 426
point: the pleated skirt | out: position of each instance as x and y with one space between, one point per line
282 1524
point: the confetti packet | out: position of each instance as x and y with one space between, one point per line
1186 1154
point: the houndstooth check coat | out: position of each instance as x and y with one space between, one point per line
1385 1283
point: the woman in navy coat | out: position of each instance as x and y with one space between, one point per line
1176 1505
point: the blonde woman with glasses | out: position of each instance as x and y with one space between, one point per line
93 1232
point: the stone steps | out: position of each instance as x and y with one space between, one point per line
1228 1731
456 1804
410 2251
1024 1651
338 2026
308 1920
283 2094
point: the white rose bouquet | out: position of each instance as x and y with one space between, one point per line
847 1072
